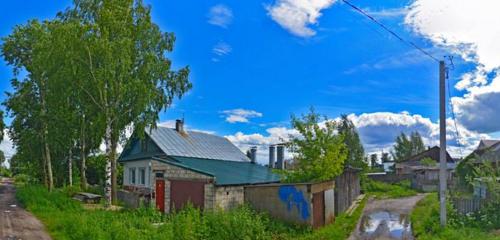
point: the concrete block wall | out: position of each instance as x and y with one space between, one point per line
209 196
229 197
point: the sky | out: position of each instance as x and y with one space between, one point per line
255 63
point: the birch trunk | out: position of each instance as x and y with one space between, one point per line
107 140
83 166
45 135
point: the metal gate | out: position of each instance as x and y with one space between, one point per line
318 209
182 192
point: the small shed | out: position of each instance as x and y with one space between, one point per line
301 203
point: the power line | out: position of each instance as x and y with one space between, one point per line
452 110
409 43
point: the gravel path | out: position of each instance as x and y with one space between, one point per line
386 219
15 222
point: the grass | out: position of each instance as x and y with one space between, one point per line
381 190
67 219
425 223
342 228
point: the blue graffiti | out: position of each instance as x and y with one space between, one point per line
293 197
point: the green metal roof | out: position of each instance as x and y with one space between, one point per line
226 172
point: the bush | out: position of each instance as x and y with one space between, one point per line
385 190
22 179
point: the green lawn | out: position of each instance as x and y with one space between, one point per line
67 219
381 190
425 223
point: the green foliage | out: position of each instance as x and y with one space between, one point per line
425 223
5 172
407 146
21 179
373 160
341 228
384 190
428 162
355 150
320 153
67 219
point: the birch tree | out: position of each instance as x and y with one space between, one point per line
128 75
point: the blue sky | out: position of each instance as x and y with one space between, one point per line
253 63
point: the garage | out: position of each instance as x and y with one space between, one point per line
183 192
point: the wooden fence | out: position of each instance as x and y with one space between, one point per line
468 205
389 177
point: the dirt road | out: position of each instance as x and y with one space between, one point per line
386 219
15 222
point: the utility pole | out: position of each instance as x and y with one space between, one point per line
442 145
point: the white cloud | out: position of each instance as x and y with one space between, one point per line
274 135
469 29
377 131
387 12
7 147
240 115
296 16
222 48
220 15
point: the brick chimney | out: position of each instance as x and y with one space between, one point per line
179 126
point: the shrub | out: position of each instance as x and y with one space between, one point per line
21 179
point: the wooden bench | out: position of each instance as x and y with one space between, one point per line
87 197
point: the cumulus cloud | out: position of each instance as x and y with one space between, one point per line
296 16
240 115
273 135
220 15
377 131
466 28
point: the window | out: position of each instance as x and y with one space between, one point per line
131 175
142 176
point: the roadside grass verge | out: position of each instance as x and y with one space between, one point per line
65 218
342 228
381 190
425 223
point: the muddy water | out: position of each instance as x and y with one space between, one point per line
385 225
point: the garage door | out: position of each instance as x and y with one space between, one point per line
182 192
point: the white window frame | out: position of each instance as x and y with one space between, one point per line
142 176
132 176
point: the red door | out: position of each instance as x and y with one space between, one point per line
160 194
182 192
318 209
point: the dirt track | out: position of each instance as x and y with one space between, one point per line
15 222
386 219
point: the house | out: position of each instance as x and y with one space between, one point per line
419 161
488 151
424 169
180 166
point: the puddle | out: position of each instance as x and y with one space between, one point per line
384 225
